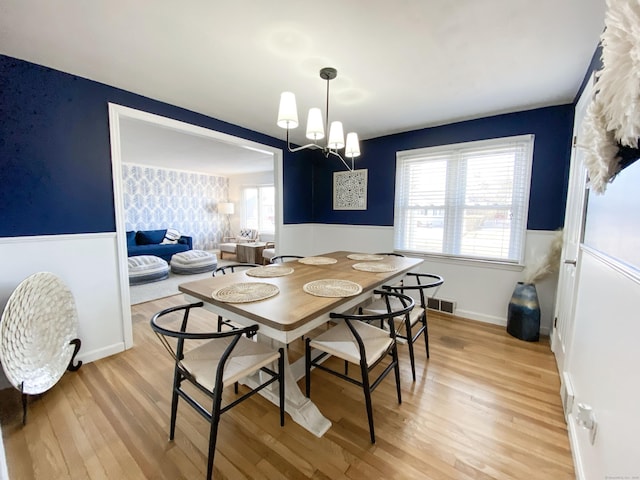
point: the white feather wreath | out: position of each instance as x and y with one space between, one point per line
601 151
619 80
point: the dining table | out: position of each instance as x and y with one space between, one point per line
291 299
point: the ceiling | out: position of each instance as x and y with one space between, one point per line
402 65
145 143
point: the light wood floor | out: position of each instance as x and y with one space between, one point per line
485 406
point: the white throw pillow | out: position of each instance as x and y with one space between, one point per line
171 236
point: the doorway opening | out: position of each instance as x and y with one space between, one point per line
119 118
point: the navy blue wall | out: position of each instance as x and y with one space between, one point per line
551 126
55 157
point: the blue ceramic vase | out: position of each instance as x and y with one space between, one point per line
523 317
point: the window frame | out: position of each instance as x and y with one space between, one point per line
258 189
522 175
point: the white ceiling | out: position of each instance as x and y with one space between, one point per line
402 65
145 143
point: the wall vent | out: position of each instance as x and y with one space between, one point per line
441 305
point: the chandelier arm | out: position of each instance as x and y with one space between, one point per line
297 149
333 152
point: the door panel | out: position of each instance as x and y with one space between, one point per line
572 238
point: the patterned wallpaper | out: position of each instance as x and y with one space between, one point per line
156 198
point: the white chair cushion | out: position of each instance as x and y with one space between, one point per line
227 247
268 253
380 306
246 358
340 342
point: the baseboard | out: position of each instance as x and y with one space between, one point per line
575 452
93 355
4 473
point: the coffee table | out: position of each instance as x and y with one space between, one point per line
250 252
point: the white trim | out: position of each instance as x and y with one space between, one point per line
623 268
4 473
121 245
56 238
116 112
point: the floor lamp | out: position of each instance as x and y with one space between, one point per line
226 208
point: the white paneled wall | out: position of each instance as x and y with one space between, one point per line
602 365
88 265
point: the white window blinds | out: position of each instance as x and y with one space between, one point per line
466 200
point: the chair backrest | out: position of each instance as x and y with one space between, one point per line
180 333
233 267
405 301
390 254
424 281
284 258
248 234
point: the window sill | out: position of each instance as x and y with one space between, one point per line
471 262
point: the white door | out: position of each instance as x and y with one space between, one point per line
572 237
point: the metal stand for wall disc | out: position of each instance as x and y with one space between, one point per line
76 342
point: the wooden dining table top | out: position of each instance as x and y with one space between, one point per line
292 307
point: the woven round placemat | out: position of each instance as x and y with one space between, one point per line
375 267
364 256
269 271
332 288
38 322
245 292
318 260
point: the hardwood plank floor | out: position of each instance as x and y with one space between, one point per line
484 406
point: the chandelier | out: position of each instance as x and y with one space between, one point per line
288 119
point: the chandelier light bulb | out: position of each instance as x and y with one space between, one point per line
336 136
315 129
288 111
352 149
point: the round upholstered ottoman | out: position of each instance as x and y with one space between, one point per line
147 268
193 261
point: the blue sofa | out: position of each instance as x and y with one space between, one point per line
149 242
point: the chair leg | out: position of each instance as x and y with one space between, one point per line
281 384
396 369
426 333
367 398
307 366
412 358
213 432
174 404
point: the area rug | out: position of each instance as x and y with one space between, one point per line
166 288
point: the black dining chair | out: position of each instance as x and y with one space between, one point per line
405 326
223 359
284 258
356 341
231 268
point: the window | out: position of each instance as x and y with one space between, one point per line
258 208
468 200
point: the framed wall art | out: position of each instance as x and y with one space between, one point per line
350 190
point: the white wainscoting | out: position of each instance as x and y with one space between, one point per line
602 365
481 291
87 263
